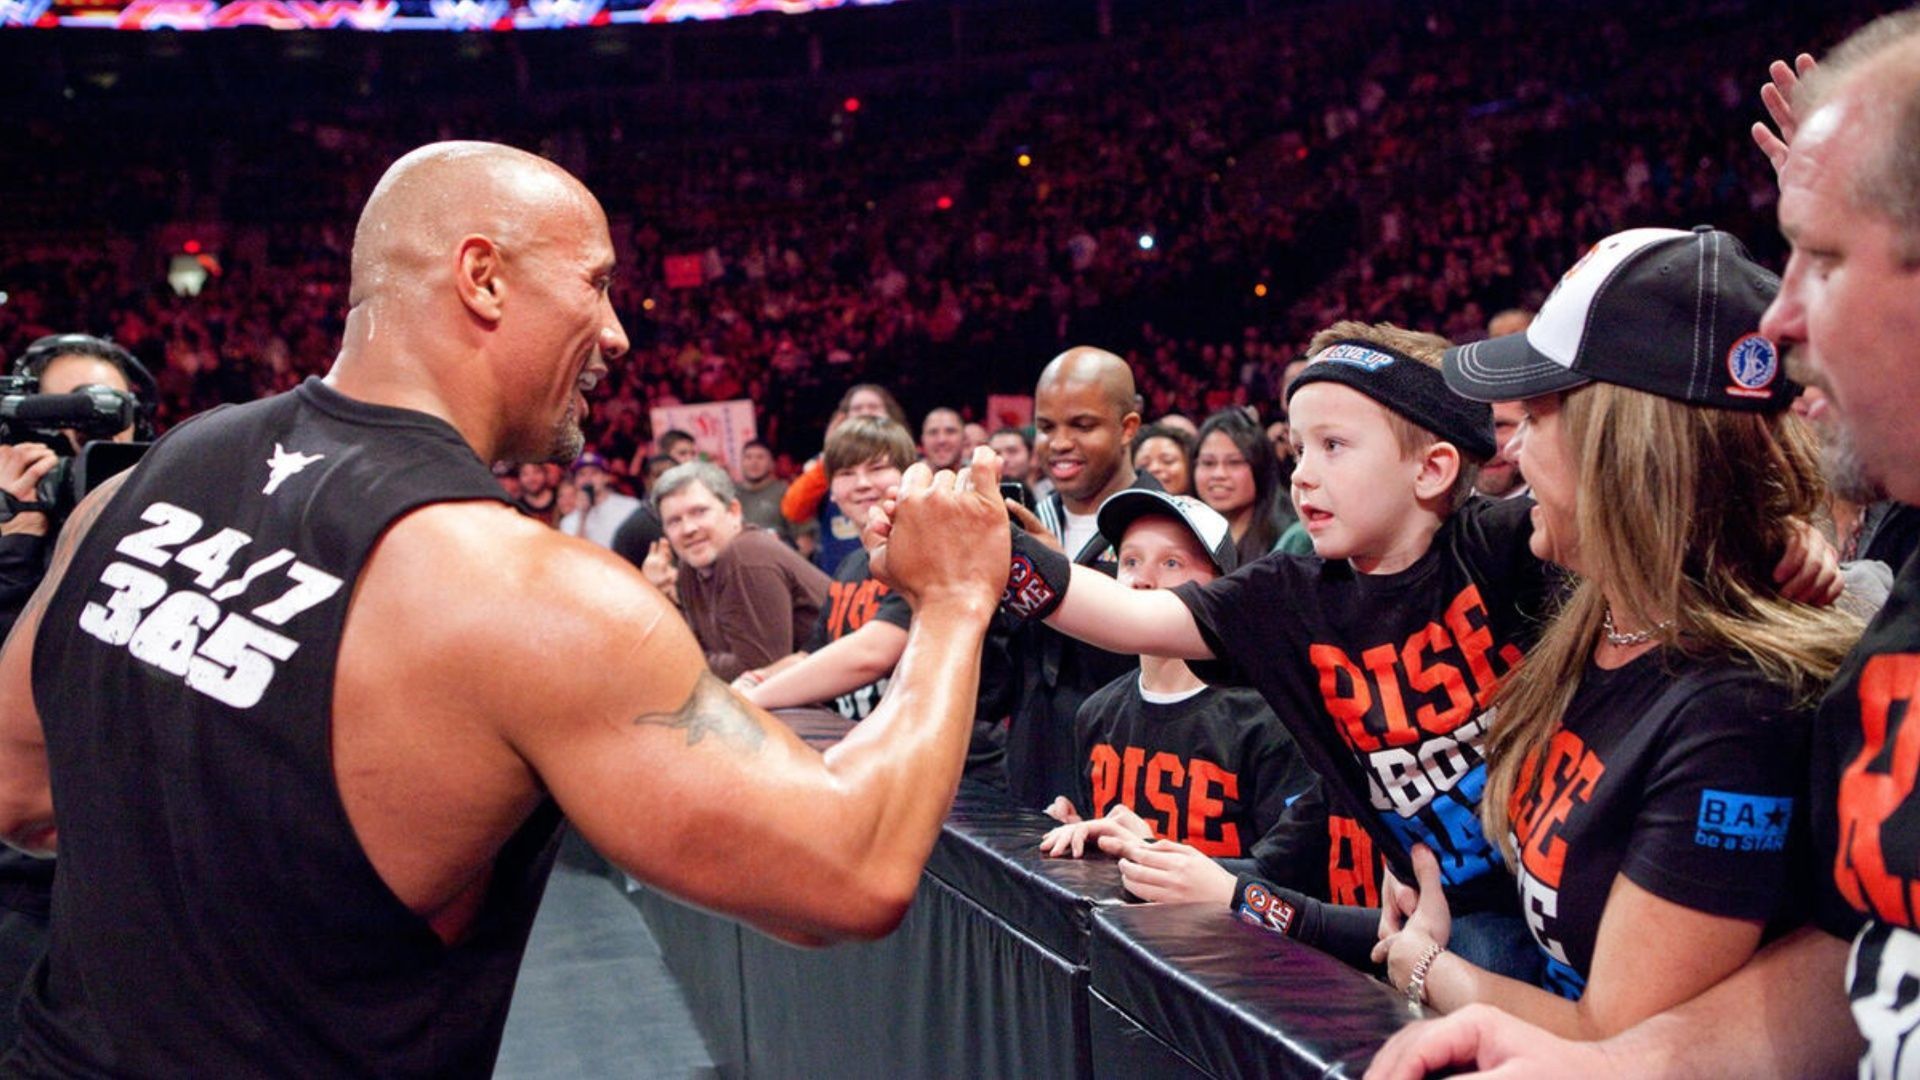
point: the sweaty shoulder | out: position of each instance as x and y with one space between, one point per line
470 601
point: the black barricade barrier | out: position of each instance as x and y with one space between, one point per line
1011 964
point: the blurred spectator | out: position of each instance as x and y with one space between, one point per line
759 490
1236 472
1015 448
539 491
943 439
1166 454
599 510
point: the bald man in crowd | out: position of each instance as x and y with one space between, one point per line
1836 997
304 699
1084 411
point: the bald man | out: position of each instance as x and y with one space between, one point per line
302 702
1084 411
1083 406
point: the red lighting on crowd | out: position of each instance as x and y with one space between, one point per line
852 104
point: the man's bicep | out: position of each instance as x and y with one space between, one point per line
26 797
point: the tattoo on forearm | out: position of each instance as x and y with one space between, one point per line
711 709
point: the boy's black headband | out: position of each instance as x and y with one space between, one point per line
1407 387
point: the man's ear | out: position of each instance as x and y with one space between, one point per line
1439 468
480 284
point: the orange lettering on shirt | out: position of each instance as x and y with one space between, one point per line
1103 774
1159 768
1476 642
1203 806
1871 790
1424 678
1381 660
1536 812
1353 871
1348 707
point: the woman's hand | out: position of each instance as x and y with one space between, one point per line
1430 922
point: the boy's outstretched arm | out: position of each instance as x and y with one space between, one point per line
1102 612
1080 601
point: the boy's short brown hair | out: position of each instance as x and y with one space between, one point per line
861 439
1418 345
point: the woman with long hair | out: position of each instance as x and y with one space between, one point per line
1646 762
1237 473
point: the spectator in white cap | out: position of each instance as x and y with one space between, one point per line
1167 757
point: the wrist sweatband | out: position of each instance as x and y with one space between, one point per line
1345 933
1037 579
1269 906
1405 386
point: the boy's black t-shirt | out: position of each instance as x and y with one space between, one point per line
1384 678
1214 770
855 598
1866 823
1689 777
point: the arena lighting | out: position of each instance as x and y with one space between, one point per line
647 304
1260 289
1146 241
1023 161
191 247
944 202
852 104
389 14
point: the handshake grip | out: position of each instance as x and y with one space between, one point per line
1037 579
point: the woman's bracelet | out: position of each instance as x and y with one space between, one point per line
1417 980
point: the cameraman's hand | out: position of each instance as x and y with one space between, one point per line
21 467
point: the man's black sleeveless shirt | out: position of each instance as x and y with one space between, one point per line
214 913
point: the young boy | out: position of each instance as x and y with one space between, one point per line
1381 652
862 629
1168 756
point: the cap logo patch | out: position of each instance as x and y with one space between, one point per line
1754 363
1355 356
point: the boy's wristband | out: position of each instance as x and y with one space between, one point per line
1037 579
1263 905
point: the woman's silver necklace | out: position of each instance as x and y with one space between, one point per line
1638 637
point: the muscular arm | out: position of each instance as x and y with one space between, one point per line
841 666
26 795
595 691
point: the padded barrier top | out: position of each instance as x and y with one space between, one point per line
1236 999
989 852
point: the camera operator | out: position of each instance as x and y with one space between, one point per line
61 365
